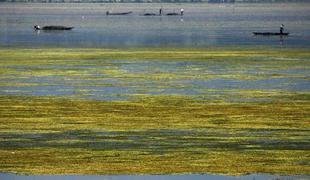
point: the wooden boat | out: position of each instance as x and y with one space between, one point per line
150 14
118 13
51 28
271 33
173 14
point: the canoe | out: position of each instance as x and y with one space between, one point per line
172 14
118 13
270 34
150 14
49 28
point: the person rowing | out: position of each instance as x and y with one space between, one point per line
281 28
182 12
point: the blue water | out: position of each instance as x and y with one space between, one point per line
203 25
211 79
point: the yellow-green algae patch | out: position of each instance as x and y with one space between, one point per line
155 135
91 72
72 56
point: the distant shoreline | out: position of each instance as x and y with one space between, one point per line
154 1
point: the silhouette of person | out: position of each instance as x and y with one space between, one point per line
281 29
182 12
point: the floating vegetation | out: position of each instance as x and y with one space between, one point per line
156 135
105 74
141 111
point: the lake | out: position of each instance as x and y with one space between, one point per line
127 95
119 78
203 25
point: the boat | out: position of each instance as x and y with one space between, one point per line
173 14
36 27
271 33
150 14
108 13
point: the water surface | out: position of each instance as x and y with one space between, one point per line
203 25
122 79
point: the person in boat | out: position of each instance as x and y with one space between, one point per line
37 27
107 13
182 12
281 29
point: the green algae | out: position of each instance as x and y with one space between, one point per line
89 56
104 68
45 135
224 131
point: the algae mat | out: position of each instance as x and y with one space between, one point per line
142 111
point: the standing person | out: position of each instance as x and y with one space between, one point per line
182 12
281 29
160 11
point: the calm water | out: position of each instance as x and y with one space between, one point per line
203 25
214 80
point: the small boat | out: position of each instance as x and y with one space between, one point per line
50 28
150 14
108 13
271 33
173 14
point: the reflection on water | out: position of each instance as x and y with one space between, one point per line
202 25
149 177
